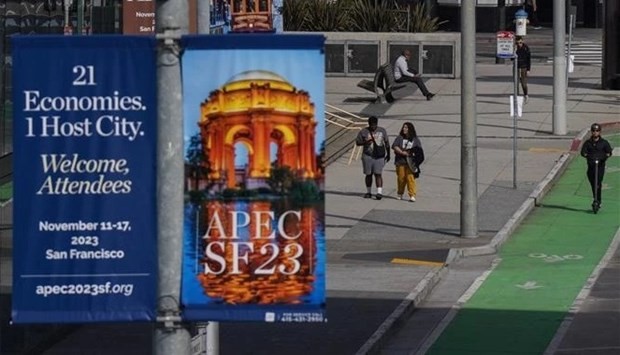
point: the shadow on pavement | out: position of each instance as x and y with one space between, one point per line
360 99
566 208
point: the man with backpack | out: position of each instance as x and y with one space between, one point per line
375 153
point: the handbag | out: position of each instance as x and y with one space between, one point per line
413 166
378 151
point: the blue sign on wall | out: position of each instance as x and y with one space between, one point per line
85 241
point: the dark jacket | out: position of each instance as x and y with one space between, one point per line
416 150
596 150
524 57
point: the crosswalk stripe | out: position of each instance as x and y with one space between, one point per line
587 52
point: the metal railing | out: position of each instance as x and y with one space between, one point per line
346 121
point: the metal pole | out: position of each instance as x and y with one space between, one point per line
559 68
213 341
67 7
570 40
514 121
204 16
170 336
469 164
80 16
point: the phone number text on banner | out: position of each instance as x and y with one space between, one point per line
85 241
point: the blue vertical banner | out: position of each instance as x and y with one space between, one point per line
84 238
254 231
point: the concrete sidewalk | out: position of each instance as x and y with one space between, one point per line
370 294
428 230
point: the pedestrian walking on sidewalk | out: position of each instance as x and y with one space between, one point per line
531 8
408 155
524 63
375 144
402 74
596 150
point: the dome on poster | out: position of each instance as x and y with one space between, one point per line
257 77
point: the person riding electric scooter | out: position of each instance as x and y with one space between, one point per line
596 150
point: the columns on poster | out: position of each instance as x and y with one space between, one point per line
258 108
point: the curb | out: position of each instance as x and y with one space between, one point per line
397 318
577 304
532 201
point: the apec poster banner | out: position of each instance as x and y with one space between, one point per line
254 232
84 179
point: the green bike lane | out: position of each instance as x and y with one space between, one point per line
543 267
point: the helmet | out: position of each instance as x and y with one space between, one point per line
595 127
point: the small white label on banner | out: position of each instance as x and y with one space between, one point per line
571 63
519 106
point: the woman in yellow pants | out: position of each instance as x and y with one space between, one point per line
407 144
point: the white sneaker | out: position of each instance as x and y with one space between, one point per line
525 99
399 197
412 199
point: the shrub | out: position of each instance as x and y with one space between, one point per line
281 179
294 15
306 190
421 21
374 16
230 193
328 15
356 16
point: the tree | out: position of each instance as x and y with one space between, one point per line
197 161
281 179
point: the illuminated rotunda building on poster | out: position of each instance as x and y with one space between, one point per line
258 109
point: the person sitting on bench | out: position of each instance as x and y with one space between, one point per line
402 74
